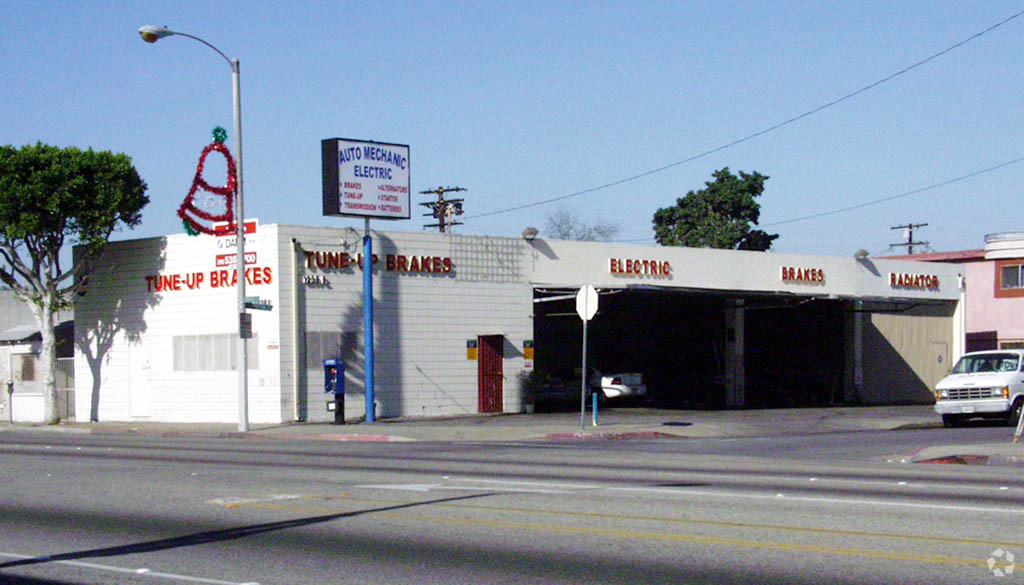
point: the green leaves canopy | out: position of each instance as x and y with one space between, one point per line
52 196
718 216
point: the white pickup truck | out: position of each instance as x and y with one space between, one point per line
987 384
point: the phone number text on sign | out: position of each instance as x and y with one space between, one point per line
224 260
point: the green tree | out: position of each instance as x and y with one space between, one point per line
51 197
718 216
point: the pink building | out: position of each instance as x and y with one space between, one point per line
994 290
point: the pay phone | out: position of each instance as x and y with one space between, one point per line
334 383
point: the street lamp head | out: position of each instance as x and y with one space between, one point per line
152 34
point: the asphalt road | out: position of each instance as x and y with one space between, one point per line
825 509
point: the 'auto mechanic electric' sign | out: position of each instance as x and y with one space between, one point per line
366 179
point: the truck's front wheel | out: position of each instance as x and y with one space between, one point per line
1013 415
952 420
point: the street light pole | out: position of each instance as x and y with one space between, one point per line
152 34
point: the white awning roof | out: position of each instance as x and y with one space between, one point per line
18 333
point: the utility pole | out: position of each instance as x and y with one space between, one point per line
909 232
443 209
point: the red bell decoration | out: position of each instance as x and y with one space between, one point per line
216 204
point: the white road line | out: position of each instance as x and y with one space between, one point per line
564 488
409 487
560 486
815 500
427 487
123 570
240 501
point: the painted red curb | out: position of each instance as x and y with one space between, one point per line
345 437
958 460
591 436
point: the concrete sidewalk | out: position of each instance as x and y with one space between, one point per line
613 424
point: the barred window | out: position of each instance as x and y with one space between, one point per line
193 353
1010 277
27 366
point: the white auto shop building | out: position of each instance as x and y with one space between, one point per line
458 318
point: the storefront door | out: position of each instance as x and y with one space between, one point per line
489 369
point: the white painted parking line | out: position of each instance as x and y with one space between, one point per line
123 570
231 501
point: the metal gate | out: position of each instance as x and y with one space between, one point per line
65 378
489 372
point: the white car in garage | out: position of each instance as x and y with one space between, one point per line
617 386
564 386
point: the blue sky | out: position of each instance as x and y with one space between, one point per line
520 102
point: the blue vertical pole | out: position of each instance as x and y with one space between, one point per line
368 320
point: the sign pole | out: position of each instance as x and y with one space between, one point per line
583 376
1020 426
363 178
368 321
586 308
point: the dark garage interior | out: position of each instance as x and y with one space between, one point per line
678 339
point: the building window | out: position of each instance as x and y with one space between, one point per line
1009 278
982 340
194 353
26 371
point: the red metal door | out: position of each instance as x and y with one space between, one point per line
489 372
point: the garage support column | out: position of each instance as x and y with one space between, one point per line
858 353
959 345
735 379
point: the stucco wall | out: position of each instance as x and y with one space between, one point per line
567 262
422 320
987 313
146 293
906 353
150 294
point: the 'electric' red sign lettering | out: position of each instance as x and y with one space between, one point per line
636 267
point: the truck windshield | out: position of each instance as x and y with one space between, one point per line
989 362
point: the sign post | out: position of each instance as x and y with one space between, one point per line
586 308
1020 427
371 409
366 179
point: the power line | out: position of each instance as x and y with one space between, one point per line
897 196
760 133
876 201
